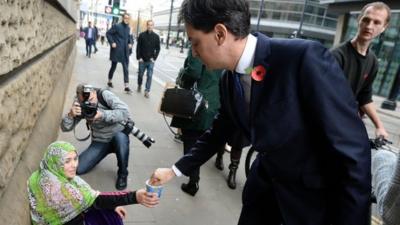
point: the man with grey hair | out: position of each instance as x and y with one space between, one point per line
105 119
360 64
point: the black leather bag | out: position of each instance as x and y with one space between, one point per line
180 102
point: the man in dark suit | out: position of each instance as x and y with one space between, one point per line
120 46
292 102
90 38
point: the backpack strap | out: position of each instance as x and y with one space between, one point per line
100 97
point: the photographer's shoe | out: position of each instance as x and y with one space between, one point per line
190 188
110 84
121 182
128 90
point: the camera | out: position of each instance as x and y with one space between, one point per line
88 109
130 128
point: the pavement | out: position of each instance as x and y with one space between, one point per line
214 203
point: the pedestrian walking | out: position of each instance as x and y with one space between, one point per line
194 74
120 44
147 50
90 38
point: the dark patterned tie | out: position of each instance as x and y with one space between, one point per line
239 101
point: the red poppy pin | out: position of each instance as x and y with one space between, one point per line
257 73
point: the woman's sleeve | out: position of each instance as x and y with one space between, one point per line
110 200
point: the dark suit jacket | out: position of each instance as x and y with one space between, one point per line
94 33
304 123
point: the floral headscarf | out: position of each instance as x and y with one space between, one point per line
54 199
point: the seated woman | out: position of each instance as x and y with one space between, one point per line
58 196
386 183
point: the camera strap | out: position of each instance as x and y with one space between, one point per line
85 138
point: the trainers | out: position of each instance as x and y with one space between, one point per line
110 84
139 89
127 89
146 94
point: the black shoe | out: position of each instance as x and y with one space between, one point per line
110 84
139 89
232 179
232 174
190 188
121 182
127 89
219 162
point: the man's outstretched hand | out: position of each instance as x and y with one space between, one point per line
161 176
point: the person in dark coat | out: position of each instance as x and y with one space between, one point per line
194 73
286 97
237 142
120 44
147 50
90 38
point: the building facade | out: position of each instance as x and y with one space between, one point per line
279 18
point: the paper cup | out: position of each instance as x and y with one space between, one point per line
154 189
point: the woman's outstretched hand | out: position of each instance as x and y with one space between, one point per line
146 198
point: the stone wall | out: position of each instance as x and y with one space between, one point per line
37 54
27 28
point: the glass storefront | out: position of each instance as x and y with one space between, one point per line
387 49
289 12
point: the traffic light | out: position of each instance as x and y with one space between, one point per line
115 8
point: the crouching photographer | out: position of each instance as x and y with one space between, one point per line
108 119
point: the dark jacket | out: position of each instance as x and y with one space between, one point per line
207 82
94 33
314 156
148 46
119 34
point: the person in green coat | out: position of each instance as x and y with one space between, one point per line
194 73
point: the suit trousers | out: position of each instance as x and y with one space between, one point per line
189 138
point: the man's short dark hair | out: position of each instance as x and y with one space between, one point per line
205 14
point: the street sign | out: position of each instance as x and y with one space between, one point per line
114 10
108 9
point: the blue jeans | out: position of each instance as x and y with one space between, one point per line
149 67
96 151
